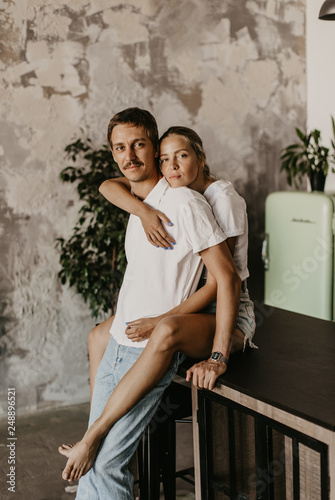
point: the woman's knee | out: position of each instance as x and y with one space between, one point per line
166 334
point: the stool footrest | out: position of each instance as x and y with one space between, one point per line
182 474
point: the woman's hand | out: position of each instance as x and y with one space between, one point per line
205 373
141 329
152 222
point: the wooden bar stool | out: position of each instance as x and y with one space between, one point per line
157 449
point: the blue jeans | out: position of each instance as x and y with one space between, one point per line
110 478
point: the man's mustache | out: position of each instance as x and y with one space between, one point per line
133 164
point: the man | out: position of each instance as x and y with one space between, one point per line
155 281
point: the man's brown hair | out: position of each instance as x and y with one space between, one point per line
138 118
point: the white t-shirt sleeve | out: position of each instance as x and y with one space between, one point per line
231 215
230 212
202 230
228 206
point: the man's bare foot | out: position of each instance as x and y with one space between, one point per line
80 456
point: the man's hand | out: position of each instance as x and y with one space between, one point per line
141 329
205 373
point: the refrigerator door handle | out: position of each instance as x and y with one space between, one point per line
265 254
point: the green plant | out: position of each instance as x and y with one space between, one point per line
306 157
93 259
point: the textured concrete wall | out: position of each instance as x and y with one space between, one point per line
232 69
320 75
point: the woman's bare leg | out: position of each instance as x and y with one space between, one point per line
98 339
191 334
237 341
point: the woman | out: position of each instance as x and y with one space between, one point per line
183 163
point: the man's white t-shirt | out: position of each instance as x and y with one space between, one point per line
156 280
230 212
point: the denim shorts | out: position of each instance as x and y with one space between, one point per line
246 322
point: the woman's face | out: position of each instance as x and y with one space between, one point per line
179 163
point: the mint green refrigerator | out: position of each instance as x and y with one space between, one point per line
298 253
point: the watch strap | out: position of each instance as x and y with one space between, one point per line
219 357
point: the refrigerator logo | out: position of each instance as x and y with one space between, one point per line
306 221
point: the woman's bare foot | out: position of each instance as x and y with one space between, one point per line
65 449
80 456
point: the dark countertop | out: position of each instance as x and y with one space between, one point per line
294 367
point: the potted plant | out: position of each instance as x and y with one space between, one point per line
93 259
307 157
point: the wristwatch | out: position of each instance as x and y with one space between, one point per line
219 357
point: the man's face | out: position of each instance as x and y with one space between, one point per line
133 152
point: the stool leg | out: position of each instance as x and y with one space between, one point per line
148 464
153 465
142 462
167 440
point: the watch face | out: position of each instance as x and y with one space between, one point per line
215 356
